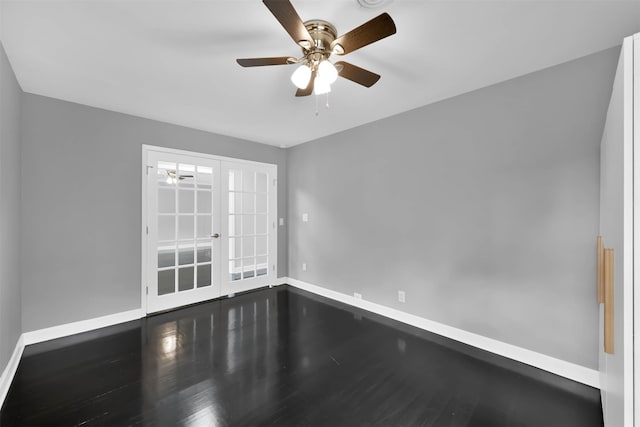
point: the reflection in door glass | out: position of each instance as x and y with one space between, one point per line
166 282
185 278
205 177
166 257
187 200
166 200
185 255
204 275
204 252
185 227
166 228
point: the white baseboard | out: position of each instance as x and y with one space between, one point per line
67 329
572 371
10 370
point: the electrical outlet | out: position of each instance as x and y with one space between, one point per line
305 217
401 296
357 295
304 266
281 221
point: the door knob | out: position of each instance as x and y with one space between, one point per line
215 236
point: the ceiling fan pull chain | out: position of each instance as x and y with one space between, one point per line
327 104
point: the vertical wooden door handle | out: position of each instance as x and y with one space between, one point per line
608 301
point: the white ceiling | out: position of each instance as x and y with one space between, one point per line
174 60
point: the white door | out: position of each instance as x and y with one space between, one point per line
617 231
249 223
183 262
210 227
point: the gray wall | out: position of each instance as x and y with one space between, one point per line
483 208
81 205
10 301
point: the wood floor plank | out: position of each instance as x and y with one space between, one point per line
281 357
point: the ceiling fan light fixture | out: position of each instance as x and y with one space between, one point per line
327 71
301 76
321 86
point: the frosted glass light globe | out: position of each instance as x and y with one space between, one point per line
321 86
328 71
301 76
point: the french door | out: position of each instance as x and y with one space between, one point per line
210 227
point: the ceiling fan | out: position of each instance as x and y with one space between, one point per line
319 40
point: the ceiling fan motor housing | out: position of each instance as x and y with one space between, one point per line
323 34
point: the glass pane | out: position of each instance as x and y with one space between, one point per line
185 278
261 245
166 200
166 282
204 226
204 202
163 167
248 203
261 182
234 247
262 224
262 266
186 169
204 253
235 180
166 257
261 203
204 275
261 261
248 246
234 225
248 225
235 203
235 269
185 255
186 176
166 228
185 227
186 181
205 177
249 181
163 174
248 268
186 200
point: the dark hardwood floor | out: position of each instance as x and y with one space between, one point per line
281 357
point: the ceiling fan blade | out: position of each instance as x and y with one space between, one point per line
309 89
258 62
357 74
286 14
371 31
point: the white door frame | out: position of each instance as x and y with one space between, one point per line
635 287
143 229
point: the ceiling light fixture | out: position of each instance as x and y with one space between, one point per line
321 86
301 76
319 40
318 73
